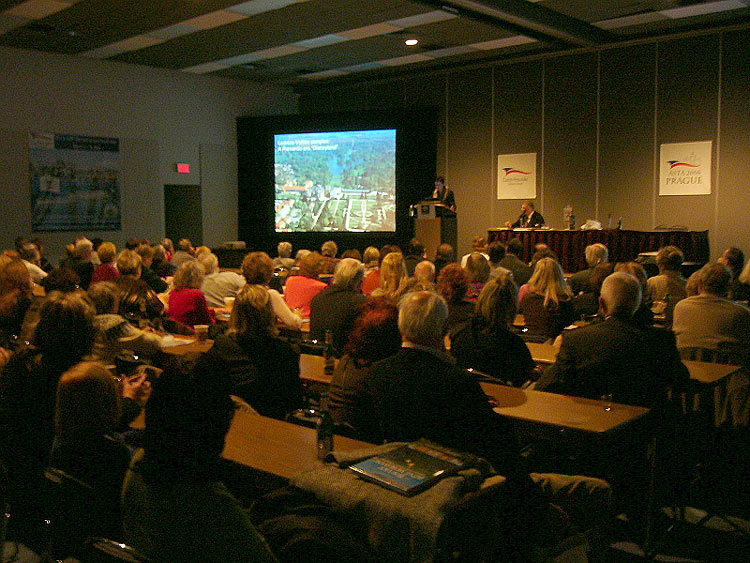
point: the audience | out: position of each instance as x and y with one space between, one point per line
161 264
444 255
453 286
478 272
741 290
80 261
301 289
425 272
478 244
521 271
146 252
185 252
15 300
643 316
392 277
175 507
371 259
187 302
487 344
415 256
496 252
257 269
264 370
284 259
31 259
138 302
595 254
218 285
547 307
106 271
334 308
328 252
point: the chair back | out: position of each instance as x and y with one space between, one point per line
102 550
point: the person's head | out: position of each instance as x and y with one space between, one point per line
496 251
189 274
453 283
527 207
479 244
185 245
107 252
252 314
65 330
105 296
693 284
129 263
416 248
734 258
349 273
30 253
375 333
425 271
599 274
548 280
168 245
87 403
635 269
311 265
714 279
301 253
498 302
595 254
371 257
132 243
392 272
201 250
284 249
444 252
146 252
543 252
83 248
329 249
15 277
477 268
210 263
61 279
160 253
257 268
422 318
620 295
352 253
744 277
187 418
669 258
19 243
515 247
439 183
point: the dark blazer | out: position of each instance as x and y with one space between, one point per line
446 197
521 271
616 356
536 220
335 309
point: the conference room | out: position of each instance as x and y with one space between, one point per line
596 113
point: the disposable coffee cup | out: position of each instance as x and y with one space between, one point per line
201 332
229 303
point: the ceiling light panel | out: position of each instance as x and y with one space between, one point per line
215 19
422 19
369 31
703 9
322 41
627 21
261 6
407 60
205 68
503 43
124 46
173 31
37 9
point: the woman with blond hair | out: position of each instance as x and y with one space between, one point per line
15 299
187 302
392 277
263 368
106 271
548 305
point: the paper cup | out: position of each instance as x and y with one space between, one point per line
201 332
229 303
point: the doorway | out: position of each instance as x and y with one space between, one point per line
183 213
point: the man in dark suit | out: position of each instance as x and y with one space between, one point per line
634 365
444 193
529 218
521 271
416 255
335 308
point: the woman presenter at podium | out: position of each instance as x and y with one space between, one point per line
444 194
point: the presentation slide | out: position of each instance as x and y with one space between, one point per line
338 181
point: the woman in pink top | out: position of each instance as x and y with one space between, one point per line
106 271
301 289
187 302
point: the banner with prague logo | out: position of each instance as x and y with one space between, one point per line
685 168
516 176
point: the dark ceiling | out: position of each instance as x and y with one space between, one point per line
299 42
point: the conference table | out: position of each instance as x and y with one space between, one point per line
623 245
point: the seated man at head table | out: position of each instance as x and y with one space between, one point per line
616 357
420 392
529 218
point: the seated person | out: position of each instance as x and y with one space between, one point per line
415 256
425 272
521 271
741 289
146 252
547 307
80 260
669 282
284 259
301 289
586 303
478 244
496 252
334 308
529 218
478 271
106 271
371 260
187 303
595 254
16 298
643 316
113 331
257 269
138 302
328 252
487 344
87 449
375 336
174 506
392 277
161 264
444 255
263 369
218 285
453 286
635 365
734 259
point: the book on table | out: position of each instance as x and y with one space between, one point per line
413 467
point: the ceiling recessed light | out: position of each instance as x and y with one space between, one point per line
411 42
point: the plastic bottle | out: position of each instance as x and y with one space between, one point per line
328 355
325 428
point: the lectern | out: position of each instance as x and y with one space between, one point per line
435 224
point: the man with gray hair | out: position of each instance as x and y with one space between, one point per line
616 358
335 308
595 254
185 252
425 271
218 285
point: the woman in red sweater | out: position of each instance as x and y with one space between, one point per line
187 302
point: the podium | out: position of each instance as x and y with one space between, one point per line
435 224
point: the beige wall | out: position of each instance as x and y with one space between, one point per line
161 117
596 121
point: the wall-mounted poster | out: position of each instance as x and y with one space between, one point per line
685 168
75 182
516 176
